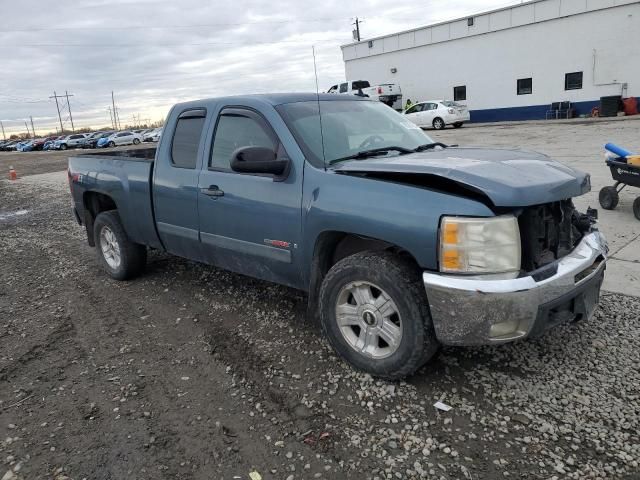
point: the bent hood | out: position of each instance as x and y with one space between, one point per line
509 178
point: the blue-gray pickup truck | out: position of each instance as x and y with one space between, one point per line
402 243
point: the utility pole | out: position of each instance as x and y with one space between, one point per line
69 107
28 132
357 30
111 118
34 130
4 137
58 107
115 112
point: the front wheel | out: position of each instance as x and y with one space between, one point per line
120 257
63 146
457 125
608 198
136 141
438 123
111 144
374 312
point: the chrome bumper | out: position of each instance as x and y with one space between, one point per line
482 310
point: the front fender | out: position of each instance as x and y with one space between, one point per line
403 215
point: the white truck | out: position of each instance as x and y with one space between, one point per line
388 93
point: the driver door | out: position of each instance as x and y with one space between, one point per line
413 114
249 223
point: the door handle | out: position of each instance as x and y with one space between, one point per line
212 191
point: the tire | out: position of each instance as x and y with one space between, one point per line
109 234
136 141
111 144
608 198
636 208
457 125
384 276
63 146
438 123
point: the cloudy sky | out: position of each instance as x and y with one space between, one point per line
154 53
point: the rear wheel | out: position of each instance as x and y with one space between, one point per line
136 141
636 208
457 125
608 198
438 123
375 314
120 257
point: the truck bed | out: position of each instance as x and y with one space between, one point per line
125 177
137 154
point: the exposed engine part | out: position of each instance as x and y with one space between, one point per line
551 231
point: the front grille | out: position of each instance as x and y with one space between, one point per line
549 232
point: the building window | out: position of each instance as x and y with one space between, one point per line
470 22
573 81
525 86
459 93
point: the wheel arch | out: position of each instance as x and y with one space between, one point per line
95 203
332 246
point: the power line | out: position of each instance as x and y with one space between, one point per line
169 27
154 45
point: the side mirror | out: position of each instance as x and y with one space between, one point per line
258 160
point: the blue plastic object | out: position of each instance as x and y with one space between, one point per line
619 151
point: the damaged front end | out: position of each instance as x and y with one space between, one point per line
563 263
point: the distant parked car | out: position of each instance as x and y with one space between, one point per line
86 141
93 141
438 114
120 138
38 143
69 141
25 146
10 146
49 144
154 135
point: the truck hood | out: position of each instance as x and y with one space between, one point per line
507 177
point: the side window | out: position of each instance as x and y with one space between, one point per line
237 130
459 93
343 87
573 81
415 109
186 140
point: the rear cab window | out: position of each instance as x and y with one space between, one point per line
186 138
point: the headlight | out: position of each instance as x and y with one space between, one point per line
480 245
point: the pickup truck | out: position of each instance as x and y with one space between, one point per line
387 93
402 243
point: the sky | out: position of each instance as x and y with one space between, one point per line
154 53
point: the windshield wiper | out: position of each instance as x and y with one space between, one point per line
372 153
429 146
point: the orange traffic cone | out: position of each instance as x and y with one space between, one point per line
12 173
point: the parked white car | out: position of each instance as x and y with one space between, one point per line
70 141
124 138
153 136
438 114
387 93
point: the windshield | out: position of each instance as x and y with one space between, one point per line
348 127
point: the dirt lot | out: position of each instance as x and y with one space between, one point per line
194 373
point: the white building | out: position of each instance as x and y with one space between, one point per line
512 63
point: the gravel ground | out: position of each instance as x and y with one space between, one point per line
191 372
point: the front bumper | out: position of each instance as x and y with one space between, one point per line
481 310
